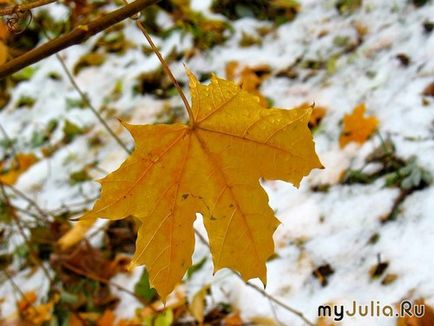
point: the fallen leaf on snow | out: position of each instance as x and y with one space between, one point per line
20 164
197 305
356 127
429 90
107 319
234 319
36 315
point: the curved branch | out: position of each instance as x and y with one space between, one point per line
258 289
24 7
76 36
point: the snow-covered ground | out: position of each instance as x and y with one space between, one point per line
333 227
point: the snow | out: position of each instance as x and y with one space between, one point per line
317 228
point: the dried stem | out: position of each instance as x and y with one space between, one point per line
10 10
8 140
30 201
28 241
17 289
167 70
91 107
76 36
102 280
261 291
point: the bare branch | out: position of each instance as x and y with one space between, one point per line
76 36
261 291
95 277
87 101
24 7
167 70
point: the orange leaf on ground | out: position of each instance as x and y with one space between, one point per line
212 167
356 127
317 115
107 319
250 78
429 90
21 164
234 319
27 300
231 70
75 320
36 315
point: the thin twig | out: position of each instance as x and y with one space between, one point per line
167 70
29 200
89 104
10 10
9 142
76 36
276 301
65 208
17 289
261 291
14 285
28 241
102 280
27 212
86 99
274 312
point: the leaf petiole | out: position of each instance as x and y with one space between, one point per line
168 71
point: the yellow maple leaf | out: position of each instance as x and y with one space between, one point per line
21 164
211 166
357 127
106 319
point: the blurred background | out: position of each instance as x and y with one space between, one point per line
360 230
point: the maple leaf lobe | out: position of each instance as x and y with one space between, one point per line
212 167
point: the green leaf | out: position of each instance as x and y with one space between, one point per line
78 177
25 101
143 288
5 212
195 267
24 74
164 319
72 103
71 130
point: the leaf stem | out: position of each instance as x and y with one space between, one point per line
27 240
87 101
167 70
258 289
18 290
